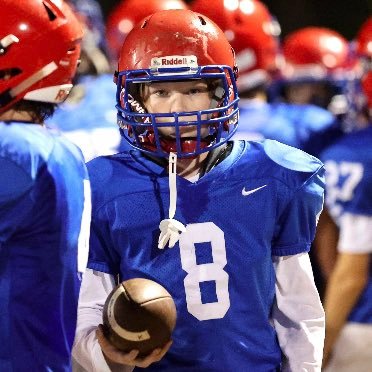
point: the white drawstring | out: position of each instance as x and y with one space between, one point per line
170 228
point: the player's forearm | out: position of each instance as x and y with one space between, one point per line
343 291
325 243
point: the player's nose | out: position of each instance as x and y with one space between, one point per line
178 103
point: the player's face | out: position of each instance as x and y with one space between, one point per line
303 93
180 96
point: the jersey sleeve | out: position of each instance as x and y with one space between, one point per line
15 199
351 202
296 226
356 221
359 193
102 254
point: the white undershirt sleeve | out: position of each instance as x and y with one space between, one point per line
298 314
355 234
87 353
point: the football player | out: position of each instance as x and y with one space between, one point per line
44 190
182 209
254 34
319 68
349 200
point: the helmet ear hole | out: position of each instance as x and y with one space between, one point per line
52 16
202 21
9 73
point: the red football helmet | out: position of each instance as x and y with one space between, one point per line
39 51
322 60
174 45
128 13
315 53
253 33
364 50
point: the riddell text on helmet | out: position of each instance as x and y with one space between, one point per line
174 61
179 61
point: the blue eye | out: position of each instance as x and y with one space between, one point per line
194 91
161 93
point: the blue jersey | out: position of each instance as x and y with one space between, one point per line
307 127
89 118
42 182
261 200
349 190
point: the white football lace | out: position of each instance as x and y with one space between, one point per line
170 228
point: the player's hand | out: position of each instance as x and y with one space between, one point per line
131 359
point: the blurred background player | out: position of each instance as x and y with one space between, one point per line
44 191
249 285
320 68
254 34
348 300
88 116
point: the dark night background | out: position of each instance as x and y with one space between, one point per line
344 16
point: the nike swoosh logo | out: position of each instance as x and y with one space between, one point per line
249 192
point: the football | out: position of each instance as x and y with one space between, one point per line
139 314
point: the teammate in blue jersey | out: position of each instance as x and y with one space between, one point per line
254 35
307 127
236 218
348 300
44 191
88 116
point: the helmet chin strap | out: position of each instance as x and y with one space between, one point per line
170 228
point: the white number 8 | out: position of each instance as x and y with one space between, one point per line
202 233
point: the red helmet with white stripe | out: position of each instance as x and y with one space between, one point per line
39 51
